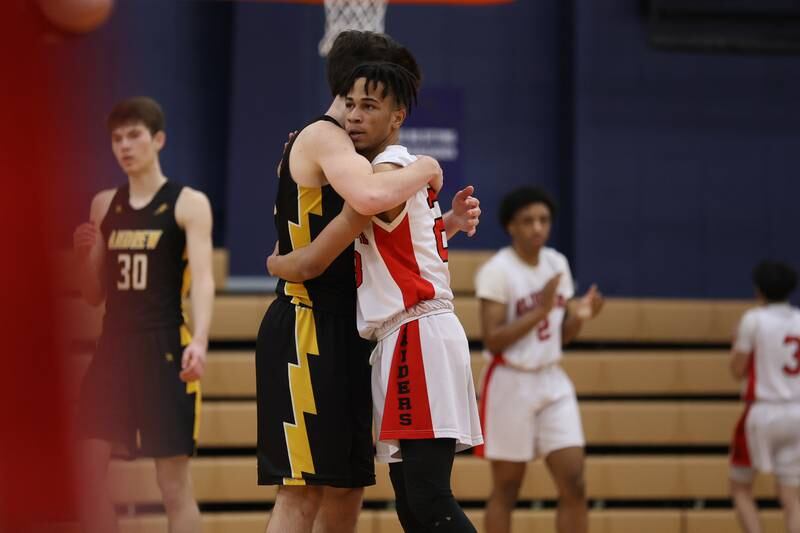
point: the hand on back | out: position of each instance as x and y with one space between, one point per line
292 135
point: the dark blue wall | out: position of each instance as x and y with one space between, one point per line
277 85
686 164
675 171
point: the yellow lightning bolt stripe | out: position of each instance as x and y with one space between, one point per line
186 339
302 395
309 201
186 285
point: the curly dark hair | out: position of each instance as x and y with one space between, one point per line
396 80
521 198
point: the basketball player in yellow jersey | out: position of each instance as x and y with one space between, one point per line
141 394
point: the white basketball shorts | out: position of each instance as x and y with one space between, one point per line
767 439
422 386
527 414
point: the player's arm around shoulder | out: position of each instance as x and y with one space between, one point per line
89 249
351 175
390 214
312 260
193 214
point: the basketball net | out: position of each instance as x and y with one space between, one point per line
341 15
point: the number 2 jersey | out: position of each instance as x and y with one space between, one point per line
402 263
508 280
146 272
771 334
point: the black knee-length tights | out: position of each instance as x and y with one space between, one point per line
421 482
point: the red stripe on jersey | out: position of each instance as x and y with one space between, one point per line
406 411
750 392
397 250
497 360
740 453
433 197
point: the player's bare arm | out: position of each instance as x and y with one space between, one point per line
743 346
351 175
498 334
312 260
390 214
739 363
578 311
89 248
193 214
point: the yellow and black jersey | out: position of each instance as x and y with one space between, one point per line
301 213
146 271
312 368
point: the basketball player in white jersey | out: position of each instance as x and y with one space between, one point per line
423 395
766 353
528 404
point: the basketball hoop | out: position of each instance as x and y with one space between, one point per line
342 15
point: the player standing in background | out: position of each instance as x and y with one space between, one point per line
141 393
528 404
312 368
766 353
423 396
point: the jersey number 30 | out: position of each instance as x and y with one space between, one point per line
133 272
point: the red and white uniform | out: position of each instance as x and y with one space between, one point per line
421 374
767 437
528 405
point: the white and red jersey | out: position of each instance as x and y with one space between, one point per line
402 263
771 334
507 279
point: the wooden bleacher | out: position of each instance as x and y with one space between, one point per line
654 394
231 373
237 317
231 424
605 373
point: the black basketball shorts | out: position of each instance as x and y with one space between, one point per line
314 399
133 397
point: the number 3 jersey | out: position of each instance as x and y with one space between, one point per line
402 263
771 334
146 271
